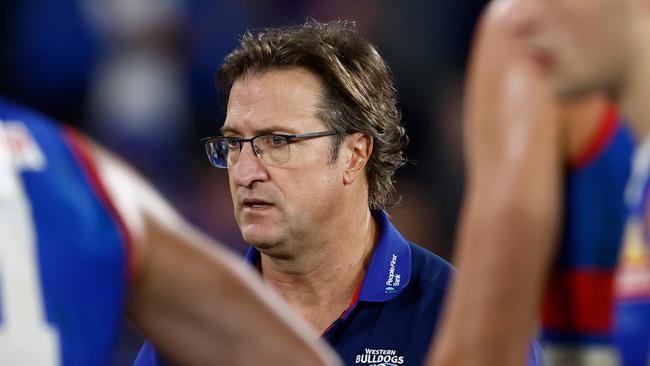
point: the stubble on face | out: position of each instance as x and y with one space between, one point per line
299 191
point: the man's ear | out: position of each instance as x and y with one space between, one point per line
358 148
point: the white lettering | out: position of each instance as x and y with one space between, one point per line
376 357
397 280
391 272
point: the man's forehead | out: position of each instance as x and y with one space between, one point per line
273 99
277 84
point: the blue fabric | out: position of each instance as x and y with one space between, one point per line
397 311
595 210
594 219
148 357
632 310
81 259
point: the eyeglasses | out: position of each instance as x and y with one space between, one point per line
273 149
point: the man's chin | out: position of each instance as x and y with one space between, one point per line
260 236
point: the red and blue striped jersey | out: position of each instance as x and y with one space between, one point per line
577 303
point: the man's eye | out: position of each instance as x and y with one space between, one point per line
277 140
232 143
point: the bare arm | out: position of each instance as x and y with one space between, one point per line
194 299
512 210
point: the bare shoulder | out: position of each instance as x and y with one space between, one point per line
502 76
133 196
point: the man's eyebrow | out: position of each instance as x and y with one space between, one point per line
263 131
275 129
226 129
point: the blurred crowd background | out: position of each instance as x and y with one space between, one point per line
137 75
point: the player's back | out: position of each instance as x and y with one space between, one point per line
577 303
63 267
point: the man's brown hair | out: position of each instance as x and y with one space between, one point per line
359 95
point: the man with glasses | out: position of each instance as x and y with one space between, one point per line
311 140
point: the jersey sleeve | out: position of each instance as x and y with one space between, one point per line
80 148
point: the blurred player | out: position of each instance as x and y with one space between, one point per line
605 45
83 238
542 218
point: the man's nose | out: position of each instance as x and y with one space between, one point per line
249 168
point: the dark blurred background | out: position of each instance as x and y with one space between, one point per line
137 75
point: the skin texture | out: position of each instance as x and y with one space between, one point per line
315 230
518 141
218 311
561 35
600 45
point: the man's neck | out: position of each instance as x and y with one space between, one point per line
321 282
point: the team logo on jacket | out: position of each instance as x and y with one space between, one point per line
379 357
393 280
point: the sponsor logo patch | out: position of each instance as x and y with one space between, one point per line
394 279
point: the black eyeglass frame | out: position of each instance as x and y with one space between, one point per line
290 138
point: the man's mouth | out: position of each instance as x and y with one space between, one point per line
255 204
